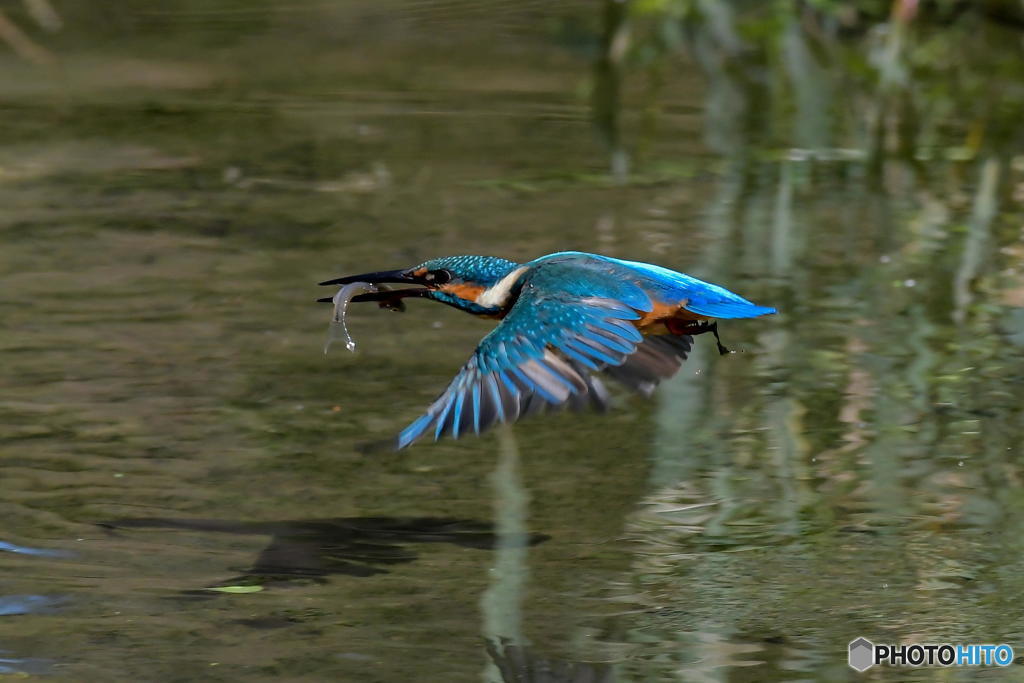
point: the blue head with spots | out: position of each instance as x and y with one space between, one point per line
476 284
461 281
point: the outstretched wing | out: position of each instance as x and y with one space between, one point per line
658 358
543 353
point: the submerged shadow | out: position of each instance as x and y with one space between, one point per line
517 664
353 546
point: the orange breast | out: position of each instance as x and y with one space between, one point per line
667 314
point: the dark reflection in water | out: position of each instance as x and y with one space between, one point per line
517 664
354 546
11 605
18 606
24 667
27 550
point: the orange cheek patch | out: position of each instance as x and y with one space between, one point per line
463 290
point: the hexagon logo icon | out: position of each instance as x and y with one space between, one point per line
862 654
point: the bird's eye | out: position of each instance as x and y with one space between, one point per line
438 277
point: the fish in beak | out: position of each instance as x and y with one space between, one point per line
385 296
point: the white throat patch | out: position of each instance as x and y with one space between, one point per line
496 295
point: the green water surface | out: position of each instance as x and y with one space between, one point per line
175 178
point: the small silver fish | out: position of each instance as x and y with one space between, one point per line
338 328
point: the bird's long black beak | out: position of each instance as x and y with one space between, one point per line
391 296
387 298
399 276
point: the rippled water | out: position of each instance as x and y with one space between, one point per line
182 488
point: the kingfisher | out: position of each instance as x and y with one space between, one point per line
564 317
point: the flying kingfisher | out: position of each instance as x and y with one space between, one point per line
564 317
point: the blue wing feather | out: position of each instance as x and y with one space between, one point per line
414 431
476 408
442 418
579 357
460 398
495 396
